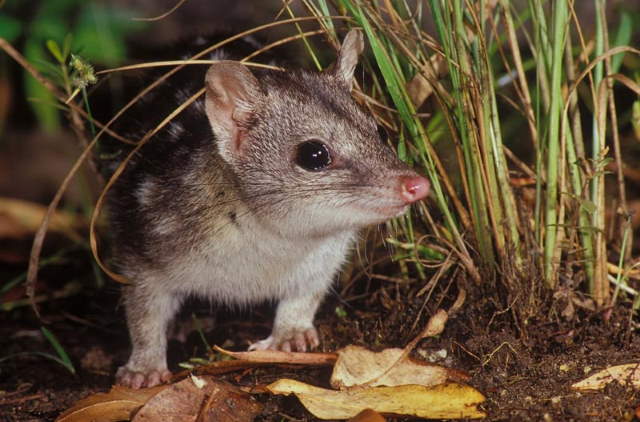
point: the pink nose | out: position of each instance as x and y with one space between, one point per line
414 188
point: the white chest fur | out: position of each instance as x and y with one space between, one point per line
245 262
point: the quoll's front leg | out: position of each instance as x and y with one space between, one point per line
148 314
293 328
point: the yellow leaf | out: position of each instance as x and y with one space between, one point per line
445 401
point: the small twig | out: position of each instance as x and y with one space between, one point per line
278 356
22 399
431 285
521 164
397 280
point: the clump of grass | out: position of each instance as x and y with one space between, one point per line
493 76
496 76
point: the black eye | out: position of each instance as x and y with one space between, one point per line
383 134
313 155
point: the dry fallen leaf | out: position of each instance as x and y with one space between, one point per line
368 415
436 324
117 405
20 218
359 366
201 399
420 88
628 374
196 398
445 401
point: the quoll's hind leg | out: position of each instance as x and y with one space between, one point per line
293 328
149 311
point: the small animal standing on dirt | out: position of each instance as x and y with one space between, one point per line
255 192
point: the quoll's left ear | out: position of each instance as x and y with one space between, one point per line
233 94
352 47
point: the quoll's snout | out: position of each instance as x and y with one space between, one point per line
413 188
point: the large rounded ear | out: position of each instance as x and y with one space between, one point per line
352 47
233 94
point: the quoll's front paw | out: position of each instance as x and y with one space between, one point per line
290 341
142 379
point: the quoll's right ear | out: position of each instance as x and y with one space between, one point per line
232 96
352 47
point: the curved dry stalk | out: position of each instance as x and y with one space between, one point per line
147 65
162 16
621 78
281 42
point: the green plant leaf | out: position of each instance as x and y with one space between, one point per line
59 8
49 70
429 253
100 34
55 50
10 28
402 149
47 27
62 354
43 354
47 115
623 37
66 46
588 206
635 118
104 47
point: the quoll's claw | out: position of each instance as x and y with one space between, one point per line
297 341
312 338
135 379
264 344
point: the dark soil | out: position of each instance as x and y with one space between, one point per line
526 371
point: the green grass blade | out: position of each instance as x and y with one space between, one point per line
65 360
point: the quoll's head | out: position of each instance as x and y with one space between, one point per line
303 151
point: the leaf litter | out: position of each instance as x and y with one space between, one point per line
389 381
